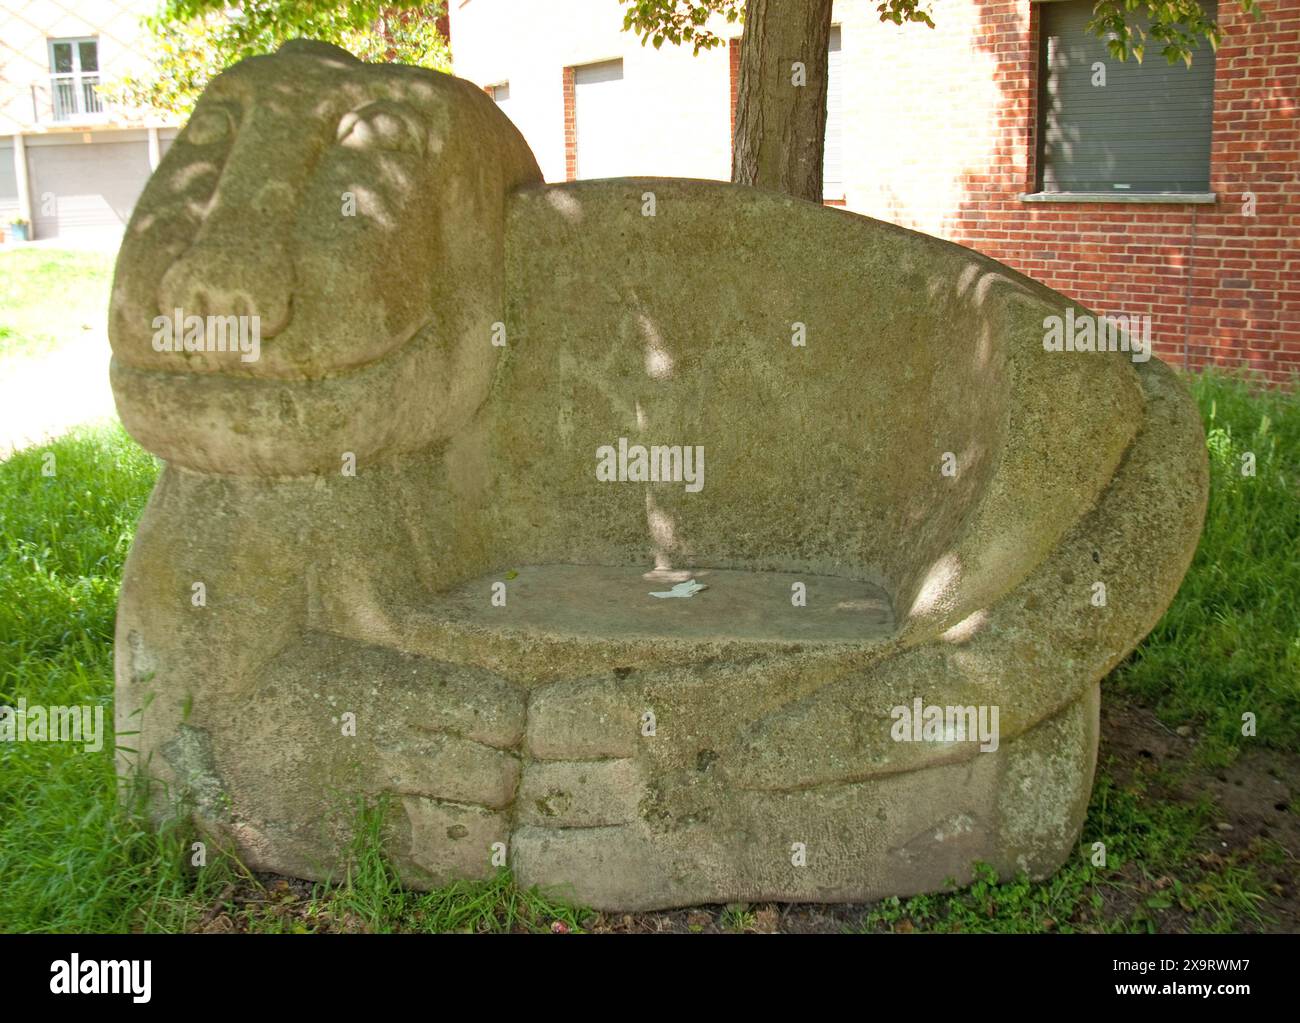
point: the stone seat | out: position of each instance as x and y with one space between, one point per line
311 614
613 603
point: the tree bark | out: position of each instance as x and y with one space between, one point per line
780 123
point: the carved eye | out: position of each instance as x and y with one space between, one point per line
213 124
382 125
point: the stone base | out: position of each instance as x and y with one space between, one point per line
668 777
1018 809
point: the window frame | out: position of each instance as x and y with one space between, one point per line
76 78
1037 127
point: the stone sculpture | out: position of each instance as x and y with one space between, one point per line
405 542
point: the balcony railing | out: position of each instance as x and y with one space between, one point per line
70 97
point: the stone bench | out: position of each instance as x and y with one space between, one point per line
391 555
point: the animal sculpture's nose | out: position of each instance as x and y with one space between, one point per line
222 277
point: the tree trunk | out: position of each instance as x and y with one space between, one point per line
781 113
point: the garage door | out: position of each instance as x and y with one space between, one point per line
8 185
833 152
85 188
600 117
501 96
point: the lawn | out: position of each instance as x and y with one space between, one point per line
1230 644
49 296
1196 834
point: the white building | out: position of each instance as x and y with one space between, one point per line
638 110
592 101
71 165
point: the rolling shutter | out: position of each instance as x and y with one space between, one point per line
8 185
90 187
501 96
600 115
1147 129
833 158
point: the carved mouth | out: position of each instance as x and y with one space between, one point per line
244 424
245 354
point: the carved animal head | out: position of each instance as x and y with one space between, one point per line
353 213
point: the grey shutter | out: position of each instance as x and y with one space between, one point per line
600 120
8 185
833 152
1146 130
93 186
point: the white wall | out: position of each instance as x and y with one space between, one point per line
26 26
920 110
920 106
678 105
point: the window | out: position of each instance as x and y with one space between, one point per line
832 158
501 96
1113 126
74 73
599 120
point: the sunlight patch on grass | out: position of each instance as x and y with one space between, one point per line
49 297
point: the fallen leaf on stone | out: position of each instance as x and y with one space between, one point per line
686 589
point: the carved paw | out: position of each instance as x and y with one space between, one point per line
336 720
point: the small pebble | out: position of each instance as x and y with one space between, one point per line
1223 826
1183 731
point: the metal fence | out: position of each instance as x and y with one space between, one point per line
68 97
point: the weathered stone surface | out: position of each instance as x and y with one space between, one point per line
416 585
584 720
437 843
586 794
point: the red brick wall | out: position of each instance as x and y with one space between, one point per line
570 127
1221 288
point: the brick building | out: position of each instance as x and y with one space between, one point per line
1156 191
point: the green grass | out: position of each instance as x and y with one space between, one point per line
73 857
737 918
1230 644
372 894
50 296
69 859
